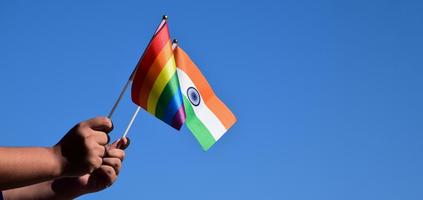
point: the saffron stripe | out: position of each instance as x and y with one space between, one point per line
184 63
155 46
201 133
159 84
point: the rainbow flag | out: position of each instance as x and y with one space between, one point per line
155 85
207 117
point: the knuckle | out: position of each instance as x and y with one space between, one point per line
112 152
117 164
95 162
98 118
89 143
104 120
103 137
118 153
82 130
82 125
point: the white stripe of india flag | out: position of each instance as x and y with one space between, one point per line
207 117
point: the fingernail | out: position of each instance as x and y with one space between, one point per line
124 146
128 141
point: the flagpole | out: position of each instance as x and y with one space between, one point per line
122 92
131 122
174 44
131 77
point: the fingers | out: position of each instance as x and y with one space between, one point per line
100 137
100 126
115 153
116 163
112 163
103 124
95 163
99 151
83 147
109 175
114 156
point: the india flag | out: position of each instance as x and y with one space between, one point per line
207 117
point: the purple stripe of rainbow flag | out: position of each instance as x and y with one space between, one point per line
155 86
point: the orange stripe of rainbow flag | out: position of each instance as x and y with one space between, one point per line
155 84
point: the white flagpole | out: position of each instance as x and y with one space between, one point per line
174 44
131 78
131 122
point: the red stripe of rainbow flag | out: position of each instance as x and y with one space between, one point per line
155 84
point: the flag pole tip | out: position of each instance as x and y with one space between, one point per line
175 41
164 17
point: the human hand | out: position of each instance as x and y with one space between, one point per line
86 164
99 179
82 149
106 175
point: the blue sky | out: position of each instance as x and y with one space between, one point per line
328 94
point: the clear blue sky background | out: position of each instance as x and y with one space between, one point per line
328 94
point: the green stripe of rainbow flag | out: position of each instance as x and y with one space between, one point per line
156 86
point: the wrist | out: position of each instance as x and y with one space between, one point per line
59 161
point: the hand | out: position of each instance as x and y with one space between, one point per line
77 144
82 149
99 179
107 173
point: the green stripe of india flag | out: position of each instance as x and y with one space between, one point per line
207 117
